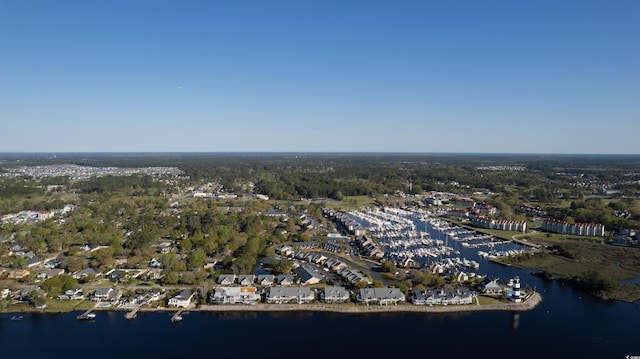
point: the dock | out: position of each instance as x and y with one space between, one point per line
177 317
88 315
132 313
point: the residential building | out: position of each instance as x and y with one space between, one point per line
226 279
334 295
235 295
182 299
50 273
18 273
281 295
307 275
578 229
246 279
381 296
441 297
285 279
492 288
85 273
107 294
265 279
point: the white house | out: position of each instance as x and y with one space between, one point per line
282 295
235 295
107 293
226 279
182 299
380 295
334 295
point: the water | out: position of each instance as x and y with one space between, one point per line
581 328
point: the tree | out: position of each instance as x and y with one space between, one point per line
196 258
170 277
389 267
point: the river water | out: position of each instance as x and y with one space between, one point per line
567 324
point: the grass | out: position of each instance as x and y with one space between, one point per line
67 305
487 300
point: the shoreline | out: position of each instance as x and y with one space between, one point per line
530 303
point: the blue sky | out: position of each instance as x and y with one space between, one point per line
511 76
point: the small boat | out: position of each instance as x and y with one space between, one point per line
17 317
175 319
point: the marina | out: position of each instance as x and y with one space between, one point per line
418 238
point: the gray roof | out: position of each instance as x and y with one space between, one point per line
332 292
381 293
185 294
87 271
102 291
247 277
268 277
290 292
306 273
283 277
227 277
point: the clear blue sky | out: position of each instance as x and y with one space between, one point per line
514 76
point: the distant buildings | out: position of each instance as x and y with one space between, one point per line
503 225
577 229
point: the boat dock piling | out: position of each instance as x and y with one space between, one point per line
133 313
177 317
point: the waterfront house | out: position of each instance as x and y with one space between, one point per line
282 295
235 295
441 297
381 296
106 294
226 279
266 279
25 293
307 275
182 299
246 279
285 279
334 294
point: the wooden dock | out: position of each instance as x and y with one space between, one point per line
88 315
177 316
132 313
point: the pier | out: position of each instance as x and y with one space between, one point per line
133 313
177 317
88 315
